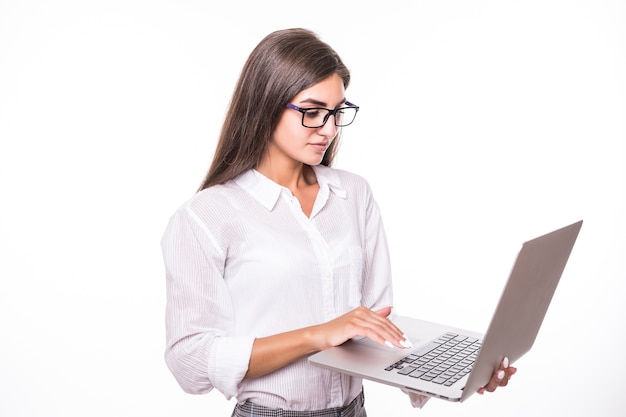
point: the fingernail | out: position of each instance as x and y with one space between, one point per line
406 342
389 344
505 362
500 375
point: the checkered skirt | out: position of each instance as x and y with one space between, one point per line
354 409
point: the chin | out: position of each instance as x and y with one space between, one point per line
313 162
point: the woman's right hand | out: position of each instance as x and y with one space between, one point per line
362 322
274 352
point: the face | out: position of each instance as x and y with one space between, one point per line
293 144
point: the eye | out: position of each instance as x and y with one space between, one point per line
312 113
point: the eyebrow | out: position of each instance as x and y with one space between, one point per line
321 103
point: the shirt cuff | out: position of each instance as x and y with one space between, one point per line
228 363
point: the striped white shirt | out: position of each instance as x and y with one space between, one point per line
242 261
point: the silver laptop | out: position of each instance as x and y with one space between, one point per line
452 363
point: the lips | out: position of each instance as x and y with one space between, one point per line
320 146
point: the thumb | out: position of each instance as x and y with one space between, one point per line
384 311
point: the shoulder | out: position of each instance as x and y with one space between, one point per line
211 202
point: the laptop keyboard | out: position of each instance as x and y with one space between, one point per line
443 361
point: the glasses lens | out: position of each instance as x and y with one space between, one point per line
345 116
314 117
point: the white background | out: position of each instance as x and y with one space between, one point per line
483 124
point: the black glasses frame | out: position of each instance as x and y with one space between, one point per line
330 112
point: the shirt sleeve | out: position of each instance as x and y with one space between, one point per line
417 400
201 351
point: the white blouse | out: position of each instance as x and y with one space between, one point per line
243 261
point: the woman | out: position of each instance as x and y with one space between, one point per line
278 255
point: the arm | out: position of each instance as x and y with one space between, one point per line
200 352
274 352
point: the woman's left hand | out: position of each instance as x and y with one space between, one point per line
500 377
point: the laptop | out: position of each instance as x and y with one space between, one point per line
452 363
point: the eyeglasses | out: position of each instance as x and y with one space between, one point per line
318 116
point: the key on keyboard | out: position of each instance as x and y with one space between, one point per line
445 360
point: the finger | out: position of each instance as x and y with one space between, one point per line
499 379
495 381
384 313
383 334
380 329
505 363
510 372
379 318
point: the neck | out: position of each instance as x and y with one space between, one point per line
294 178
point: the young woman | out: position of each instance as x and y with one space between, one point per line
278 255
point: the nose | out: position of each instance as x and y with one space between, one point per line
329 129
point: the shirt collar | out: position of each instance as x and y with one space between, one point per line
328 177
267 192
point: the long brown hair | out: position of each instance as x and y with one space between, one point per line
283 64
